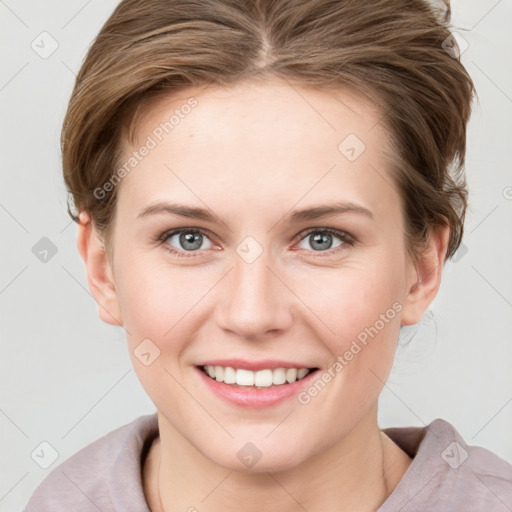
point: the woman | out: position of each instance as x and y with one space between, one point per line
211 149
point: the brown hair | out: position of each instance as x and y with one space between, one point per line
391 51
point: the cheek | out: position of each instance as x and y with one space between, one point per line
159 304
361 310
354 296
155 297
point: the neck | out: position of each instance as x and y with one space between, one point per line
357 473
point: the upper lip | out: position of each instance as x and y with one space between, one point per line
255 365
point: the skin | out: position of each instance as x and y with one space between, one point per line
252 153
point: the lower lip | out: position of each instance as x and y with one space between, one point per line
252 397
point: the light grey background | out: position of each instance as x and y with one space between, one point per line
66 378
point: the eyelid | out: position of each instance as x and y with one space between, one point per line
344 236
171 232
340 233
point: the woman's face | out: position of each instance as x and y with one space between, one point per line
260 285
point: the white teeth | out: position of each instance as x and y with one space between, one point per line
229 375
219 373
263 378
279 376
245 378
291 374
259 379
301 373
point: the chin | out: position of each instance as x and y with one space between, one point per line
249 459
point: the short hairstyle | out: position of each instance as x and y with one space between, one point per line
394 52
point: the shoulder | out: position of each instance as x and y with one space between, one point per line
105 475
448 474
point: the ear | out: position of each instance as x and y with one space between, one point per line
99 273
425 277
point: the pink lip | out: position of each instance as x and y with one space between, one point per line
254 365
252 397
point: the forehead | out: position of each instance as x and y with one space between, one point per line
218 111
270 138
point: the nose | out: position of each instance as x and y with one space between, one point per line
257 304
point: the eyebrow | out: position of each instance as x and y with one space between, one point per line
293 217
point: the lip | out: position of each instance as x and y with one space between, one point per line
270 364
255 398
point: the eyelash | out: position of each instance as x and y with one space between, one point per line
345 237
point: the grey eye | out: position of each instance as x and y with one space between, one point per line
189 240
321 240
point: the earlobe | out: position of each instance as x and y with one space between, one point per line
99 272
425 278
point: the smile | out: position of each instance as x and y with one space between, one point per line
264 378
